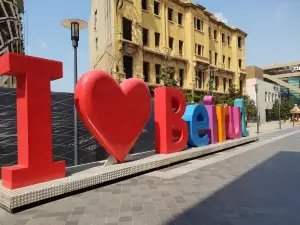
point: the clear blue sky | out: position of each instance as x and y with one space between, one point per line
272 27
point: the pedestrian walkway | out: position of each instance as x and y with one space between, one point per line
258 186
269 127
277 133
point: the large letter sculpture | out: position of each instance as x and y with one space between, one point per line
196 117
240 103
209 102
233 122
115 114
220 110
33 120
171 131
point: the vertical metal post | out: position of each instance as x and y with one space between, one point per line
211 80
293 119
279 108
257 112
193 94
76 161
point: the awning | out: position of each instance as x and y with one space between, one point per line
295 110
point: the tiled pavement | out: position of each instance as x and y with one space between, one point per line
268 135
260 186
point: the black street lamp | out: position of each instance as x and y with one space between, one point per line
211 81
257 112
279 107
75 25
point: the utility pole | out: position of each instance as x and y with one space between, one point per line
193 92
257 112
279 106
211 81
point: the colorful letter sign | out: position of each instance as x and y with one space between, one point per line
221 121
115 114
197 119
34 125
209 102
240 103
171 132
233 122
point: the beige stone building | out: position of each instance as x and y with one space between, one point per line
137 38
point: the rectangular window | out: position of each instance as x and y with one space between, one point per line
157 39
127 29
144 4
230 83
223 38
269 97
210 57
180 47
181 77
209 32
241 86
216 58
198 24
156 8
224 59
229 62
240 63
171 40
240 42
216 83
199 79
157 73
266 96
145 37
199 49
170 14
224 84
228 40
146 71
215 35
272 97
180 18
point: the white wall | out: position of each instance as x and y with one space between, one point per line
267 95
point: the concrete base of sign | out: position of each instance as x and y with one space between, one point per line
89 175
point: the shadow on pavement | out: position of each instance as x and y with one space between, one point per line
268 194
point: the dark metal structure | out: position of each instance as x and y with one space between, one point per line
62 132
11 38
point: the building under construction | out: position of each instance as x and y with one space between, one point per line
11 38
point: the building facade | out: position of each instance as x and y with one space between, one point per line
11 39
288 77
267 92
138 38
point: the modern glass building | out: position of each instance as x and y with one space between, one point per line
287 76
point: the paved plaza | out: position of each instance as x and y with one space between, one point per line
252 184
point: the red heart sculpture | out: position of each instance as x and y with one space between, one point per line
115 114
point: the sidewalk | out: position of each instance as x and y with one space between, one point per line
270 127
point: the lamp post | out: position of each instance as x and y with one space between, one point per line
211 81
279 106
75 25
193 90
257 112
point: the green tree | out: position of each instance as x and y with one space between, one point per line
167 77
285 109
168 80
